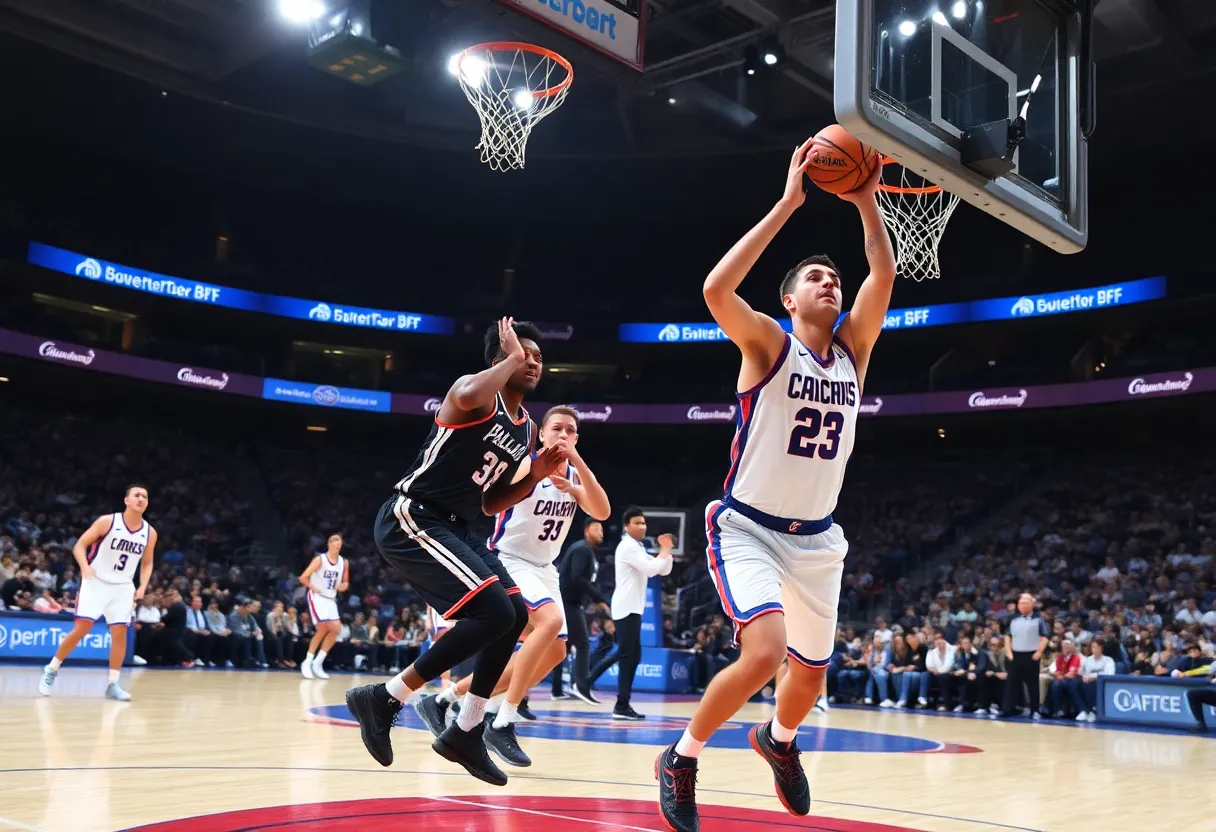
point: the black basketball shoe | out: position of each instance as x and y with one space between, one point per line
376 713
504 743
524 711
788 776
468 749
433 712
677 778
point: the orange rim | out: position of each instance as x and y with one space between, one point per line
518 46
896 189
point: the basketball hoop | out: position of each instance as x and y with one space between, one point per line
512 86
916 212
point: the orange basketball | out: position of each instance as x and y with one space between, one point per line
839 163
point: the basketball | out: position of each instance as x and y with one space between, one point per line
839 163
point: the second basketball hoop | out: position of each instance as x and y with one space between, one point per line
512 86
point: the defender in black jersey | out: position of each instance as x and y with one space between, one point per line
469 466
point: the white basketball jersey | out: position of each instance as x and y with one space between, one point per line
325 580
116 555
795 433
533 529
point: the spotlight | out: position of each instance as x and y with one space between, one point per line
751 59
959 10
938 17
522 99
472 69
770 58
301 11
671 101
907 28
772 52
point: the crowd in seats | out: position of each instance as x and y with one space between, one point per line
1119 555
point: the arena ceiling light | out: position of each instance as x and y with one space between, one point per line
959 10
301 11
907 28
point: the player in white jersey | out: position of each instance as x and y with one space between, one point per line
528 538
775 555
107 554
325 577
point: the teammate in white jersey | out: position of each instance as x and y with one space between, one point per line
528 538
325 577
774 553
107 554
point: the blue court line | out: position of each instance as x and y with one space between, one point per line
538 777
1025 720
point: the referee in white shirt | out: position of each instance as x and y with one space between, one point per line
633 568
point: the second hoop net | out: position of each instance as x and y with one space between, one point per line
916 212
512 86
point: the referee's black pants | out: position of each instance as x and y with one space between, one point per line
628 655
1199 697
1023 670
576 640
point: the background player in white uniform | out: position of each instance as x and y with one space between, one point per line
107 553
325 577
528 538
774 553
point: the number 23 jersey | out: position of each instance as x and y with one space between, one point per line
458 462
795 431
534 528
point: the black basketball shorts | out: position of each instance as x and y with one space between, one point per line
440 555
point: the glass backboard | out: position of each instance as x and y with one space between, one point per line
913 76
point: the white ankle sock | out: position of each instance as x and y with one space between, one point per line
113 677
780 733
448 695
55 664
321 654
309 657
495 702
397 688
689 747
505 715
472 711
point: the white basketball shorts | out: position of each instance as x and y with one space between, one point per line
537 584
758 571
322 608
113 602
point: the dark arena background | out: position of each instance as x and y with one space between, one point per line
246 247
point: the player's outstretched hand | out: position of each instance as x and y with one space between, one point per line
508 341
795 191
866 189
548 461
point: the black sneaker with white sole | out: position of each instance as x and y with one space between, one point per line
376 712
503 742
627 712
677 778
788 777
433 712
584 695
524 711
468 749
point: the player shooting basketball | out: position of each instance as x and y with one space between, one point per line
775 554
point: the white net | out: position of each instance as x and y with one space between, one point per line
916 215
512 86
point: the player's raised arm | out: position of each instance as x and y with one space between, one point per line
307 573
586 491
757 335
145 564
80 551
473 394
864 322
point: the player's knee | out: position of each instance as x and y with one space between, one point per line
546 622
493 608
763 657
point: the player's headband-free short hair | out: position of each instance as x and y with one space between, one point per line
632 512
134 485
589 522
560 410
787 282
524 329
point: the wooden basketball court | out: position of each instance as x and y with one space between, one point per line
195 747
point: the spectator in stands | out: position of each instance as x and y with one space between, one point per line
1084 690
1065 668
280 644
246 635
877 658
1047 664
882 633
170 642
915 678
198 638
18 591
853 673
997 674
221 636
1196 698
939 663
901 660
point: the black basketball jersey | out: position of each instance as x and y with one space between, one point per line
458 462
